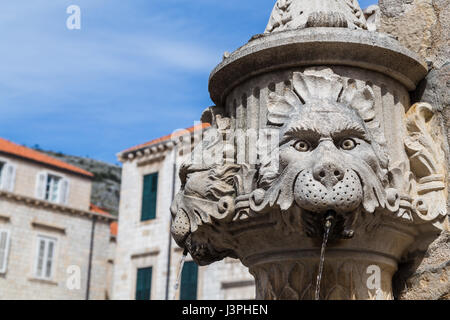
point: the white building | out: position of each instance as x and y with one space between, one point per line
53 243
147 259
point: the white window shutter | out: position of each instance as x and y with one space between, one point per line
45 257
64 192
3 178
41 183
4 250
10 177
40 263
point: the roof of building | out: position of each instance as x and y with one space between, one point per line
167 137
96 209
9 147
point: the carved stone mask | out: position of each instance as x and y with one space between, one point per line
328 159
207 196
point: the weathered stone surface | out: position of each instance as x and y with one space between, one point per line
372 15
435 89
426 274
423 27
420 25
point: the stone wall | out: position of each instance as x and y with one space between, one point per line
72 232
420 25
423 26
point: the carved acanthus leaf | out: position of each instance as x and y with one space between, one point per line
361 100
317 83
424 146
280 17
280 107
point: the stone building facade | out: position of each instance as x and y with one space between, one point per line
53 243
144 241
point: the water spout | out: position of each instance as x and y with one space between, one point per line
180 271
329 219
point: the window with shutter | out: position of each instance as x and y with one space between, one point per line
2 169
41 181
64 192
189 277
10 177
4 250
45 257
149 195
144 284
7 176
53 188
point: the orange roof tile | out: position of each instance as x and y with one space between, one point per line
96 209
30 154
168 137
114 227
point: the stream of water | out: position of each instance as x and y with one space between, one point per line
322 257
180 271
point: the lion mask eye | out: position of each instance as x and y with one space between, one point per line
302 146
348 144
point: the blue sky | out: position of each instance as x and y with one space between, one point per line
135 71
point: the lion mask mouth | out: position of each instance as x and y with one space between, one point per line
344 196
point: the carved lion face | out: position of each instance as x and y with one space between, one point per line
328 149
328 164
206 195
329 159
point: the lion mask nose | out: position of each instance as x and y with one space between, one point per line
328 173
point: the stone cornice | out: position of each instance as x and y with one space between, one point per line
316 46
53 206
157 150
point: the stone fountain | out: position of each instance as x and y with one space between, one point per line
313 131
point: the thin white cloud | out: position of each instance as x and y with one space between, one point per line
52 66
